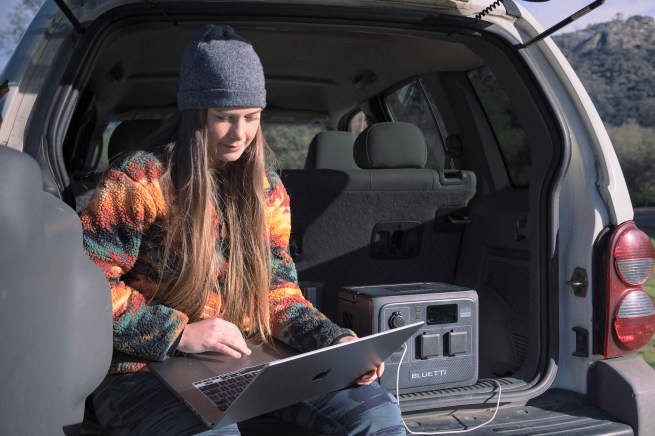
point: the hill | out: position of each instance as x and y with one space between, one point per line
616 62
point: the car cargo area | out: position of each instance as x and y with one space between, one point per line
471 218
474 216
560 413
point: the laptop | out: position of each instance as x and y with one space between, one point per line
222 390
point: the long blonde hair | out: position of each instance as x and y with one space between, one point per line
216 211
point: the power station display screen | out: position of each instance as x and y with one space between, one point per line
442 314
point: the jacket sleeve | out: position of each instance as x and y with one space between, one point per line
294 320
125 204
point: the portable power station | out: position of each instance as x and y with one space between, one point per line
442 354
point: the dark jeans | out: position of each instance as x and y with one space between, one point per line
139 404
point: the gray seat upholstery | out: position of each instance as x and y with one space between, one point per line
391 145
55 309
395 154
381 223
128 134
331 150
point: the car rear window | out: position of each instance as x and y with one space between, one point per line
510 134
413 103
290 141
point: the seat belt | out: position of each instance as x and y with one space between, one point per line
453 146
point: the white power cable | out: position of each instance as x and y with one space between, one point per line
500 390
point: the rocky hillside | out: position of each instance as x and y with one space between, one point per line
616 62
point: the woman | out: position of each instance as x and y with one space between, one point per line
193 238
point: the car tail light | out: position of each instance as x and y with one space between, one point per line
630 311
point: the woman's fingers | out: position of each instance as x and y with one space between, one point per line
370 376
380 369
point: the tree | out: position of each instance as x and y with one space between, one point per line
635 148
18 19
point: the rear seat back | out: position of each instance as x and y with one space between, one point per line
331 150
384 223
128 134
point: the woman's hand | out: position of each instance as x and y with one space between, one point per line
370 376
213 335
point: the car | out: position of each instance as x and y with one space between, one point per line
443 151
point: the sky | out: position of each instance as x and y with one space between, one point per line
547 13
553 11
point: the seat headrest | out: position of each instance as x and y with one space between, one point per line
332 150
129 134
391 145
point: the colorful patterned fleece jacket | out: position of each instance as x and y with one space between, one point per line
120 225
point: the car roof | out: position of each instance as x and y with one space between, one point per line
321 69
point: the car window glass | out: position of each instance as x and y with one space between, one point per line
290 141
413 104
106 134
510 134
358 123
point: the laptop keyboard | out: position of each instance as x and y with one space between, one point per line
222 390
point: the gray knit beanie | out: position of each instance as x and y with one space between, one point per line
220 69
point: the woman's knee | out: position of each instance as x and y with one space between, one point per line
366 410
